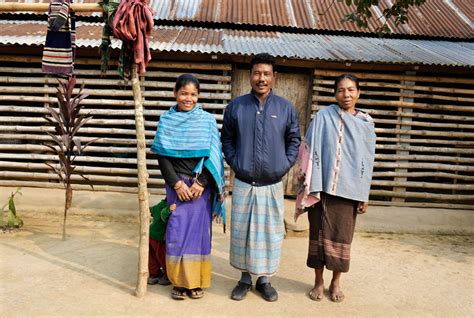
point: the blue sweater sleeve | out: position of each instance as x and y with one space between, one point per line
228 136
292 137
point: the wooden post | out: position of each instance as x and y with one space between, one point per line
142 187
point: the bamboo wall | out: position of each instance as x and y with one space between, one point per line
424 126
425 136
110 162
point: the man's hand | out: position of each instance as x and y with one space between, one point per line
362 207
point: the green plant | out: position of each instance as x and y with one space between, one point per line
397 10
67 122
13 221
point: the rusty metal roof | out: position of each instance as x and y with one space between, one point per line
435 18
286 45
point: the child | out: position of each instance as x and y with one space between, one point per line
157 252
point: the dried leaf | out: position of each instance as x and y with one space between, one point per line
77 142
87 179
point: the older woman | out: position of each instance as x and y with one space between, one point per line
190 158
336 165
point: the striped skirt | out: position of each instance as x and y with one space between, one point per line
188 240
257 228
331 229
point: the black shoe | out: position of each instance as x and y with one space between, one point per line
152 280
240 291
268 292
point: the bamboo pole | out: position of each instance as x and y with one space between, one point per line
92 178
421 165
423 185
424 205
43 7
423 195
83 169
397 77
142 187
388 103
432 89
79 187
373 94
431 174
412 157
426 149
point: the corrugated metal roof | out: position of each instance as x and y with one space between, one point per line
438 18
286 45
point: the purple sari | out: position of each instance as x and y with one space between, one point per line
188 240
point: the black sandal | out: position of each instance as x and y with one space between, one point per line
178 293
195 293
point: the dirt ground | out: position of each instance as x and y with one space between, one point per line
94 273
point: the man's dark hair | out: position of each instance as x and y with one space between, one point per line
263 58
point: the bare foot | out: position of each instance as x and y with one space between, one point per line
317 292
336 293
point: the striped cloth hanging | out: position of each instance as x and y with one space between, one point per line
59 48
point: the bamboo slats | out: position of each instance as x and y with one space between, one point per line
425 135
110 162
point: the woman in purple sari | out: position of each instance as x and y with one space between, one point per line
190 158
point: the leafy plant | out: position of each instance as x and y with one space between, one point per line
13 221
398 10
67 121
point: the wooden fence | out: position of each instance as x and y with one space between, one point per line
425 136
110 162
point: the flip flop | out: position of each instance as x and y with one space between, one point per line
195 293
178 293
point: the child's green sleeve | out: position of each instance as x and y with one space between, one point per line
165 214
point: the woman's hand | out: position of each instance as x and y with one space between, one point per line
196 190
362 207
183 191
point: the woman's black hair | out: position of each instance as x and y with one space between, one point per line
344 76
263 58
186 79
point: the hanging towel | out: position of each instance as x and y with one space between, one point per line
109 7
132 24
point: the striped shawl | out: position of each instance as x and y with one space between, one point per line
193 134
59 48
342 153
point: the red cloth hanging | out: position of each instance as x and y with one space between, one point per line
133 22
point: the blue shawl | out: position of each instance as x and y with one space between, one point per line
343 151
193 134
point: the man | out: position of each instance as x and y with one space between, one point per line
260 139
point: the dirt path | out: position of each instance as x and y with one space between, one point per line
93 273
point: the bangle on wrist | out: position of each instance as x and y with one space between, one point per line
178 185
199 183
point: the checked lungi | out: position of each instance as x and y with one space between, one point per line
257 228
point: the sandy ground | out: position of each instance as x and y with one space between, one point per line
94 273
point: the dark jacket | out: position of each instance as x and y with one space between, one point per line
260 142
